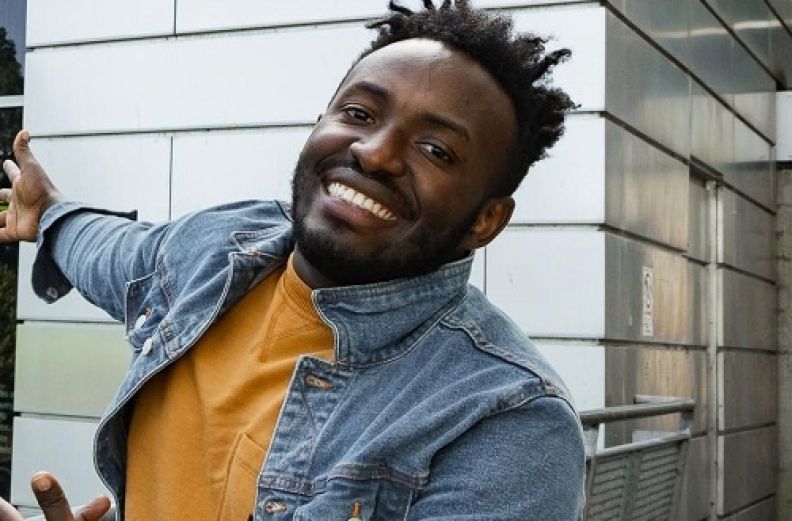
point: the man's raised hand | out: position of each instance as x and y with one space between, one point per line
54 505
31 193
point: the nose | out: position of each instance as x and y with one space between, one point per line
380 152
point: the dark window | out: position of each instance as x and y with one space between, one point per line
12 46
12 62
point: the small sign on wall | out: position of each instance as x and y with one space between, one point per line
647 310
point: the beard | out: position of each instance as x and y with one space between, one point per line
425 250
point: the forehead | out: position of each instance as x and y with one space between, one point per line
421 74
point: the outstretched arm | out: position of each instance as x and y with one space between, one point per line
94 250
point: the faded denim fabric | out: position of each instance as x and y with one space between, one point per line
436 406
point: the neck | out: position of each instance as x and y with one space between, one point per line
308 273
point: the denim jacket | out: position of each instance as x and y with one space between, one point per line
436 406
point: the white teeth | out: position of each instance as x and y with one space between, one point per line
360 200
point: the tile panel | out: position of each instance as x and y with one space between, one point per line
62 446
582 367
747 309
69 369
52 22
747 235
645 185
204 82
216 167
747 389
645 89
550 281
652 295
631 371
753 454
569 185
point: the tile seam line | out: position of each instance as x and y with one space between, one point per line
746 428
747 506
175 130
185 35
176 34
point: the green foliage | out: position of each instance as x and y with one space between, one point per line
8 283
10 70
11 82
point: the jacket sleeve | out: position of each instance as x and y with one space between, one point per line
527 464
96 251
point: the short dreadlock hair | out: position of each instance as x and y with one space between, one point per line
519 63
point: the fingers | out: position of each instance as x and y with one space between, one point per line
4 238
11 169
8 513
50 497
21 148
94 510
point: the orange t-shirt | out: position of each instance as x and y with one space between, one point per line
201 428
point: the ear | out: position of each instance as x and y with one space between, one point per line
492 218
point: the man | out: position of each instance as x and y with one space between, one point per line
329 361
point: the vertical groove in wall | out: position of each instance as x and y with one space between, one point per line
170 180
484 283
784 266
175 4
712 348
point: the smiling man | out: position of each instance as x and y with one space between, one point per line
328 360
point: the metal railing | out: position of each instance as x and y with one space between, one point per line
640 480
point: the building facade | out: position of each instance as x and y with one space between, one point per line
641 255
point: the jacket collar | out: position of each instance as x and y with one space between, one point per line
372 323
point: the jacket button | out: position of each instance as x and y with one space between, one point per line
146 349
274 507
139 322
311 380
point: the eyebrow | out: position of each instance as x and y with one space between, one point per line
430 117
371 88
447 123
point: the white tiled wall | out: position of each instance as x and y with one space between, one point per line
60 445
551 282
52 22
216 167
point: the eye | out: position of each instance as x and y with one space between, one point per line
438 152
357 113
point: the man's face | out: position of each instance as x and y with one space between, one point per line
399 170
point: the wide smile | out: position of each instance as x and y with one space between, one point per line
360 200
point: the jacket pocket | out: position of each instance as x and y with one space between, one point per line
239 492
365 499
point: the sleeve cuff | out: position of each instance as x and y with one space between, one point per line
49 282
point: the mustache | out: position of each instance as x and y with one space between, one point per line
340 162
